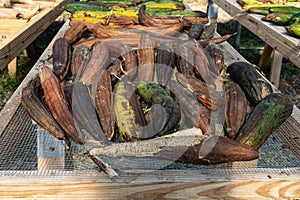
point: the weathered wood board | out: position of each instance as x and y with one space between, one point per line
172 184
18 34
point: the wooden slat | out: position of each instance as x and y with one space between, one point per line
263 190
26 33
275 36
167 184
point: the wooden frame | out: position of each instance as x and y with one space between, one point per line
215 183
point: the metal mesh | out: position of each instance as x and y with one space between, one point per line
18 151
18 143
290 135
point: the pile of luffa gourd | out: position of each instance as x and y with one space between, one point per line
154 93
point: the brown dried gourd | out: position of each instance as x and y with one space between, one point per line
57 104
254 85
235 108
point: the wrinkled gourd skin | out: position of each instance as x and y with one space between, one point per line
268 115
250 80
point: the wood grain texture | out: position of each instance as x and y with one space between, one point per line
275 36
153 185
10 26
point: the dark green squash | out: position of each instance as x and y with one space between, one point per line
268 115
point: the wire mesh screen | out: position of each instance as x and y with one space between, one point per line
18 143
19 150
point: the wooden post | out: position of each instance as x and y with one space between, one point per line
30 50
212 12
276 68
50 151
265 56
13 65
12 68
238 35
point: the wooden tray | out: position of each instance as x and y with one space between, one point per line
213 183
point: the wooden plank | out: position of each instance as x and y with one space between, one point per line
11 26
282 189
50 151
167 184
14 26
275 36
16 43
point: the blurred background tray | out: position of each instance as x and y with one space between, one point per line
276 38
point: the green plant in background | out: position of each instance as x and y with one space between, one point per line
251 47
9 84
